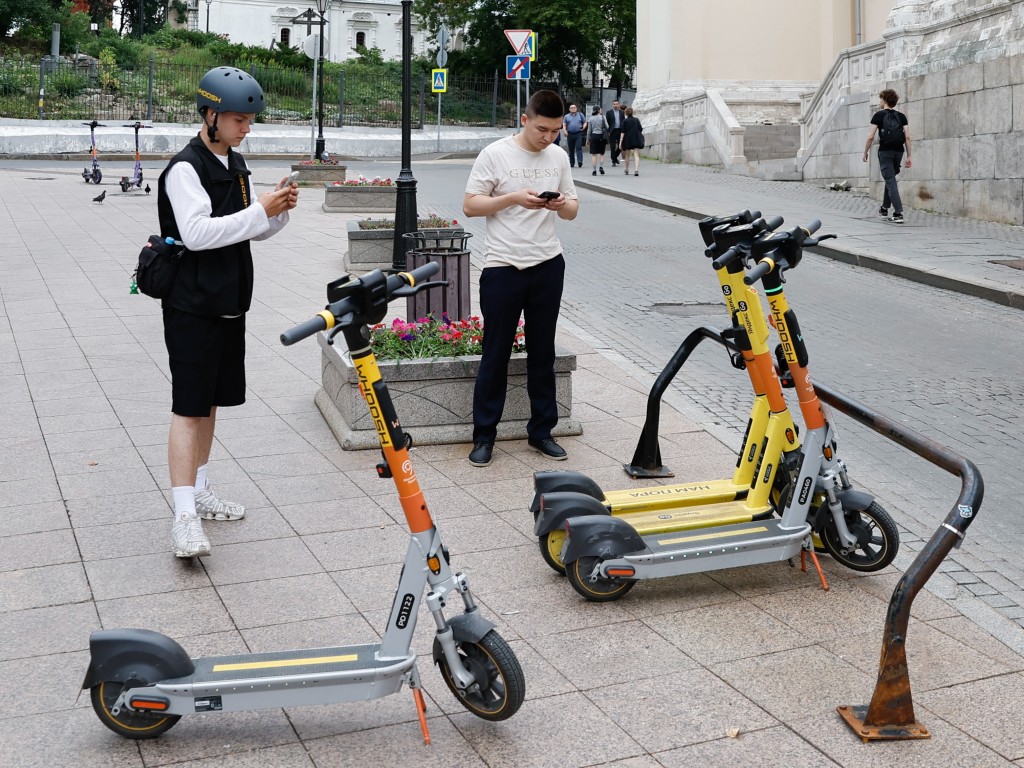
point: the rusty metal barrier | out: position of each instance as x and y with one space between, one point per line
890 715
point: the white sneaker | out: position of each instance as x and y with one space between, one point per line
188 539
209 507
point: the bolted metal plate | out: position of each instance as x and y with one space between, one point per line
688 310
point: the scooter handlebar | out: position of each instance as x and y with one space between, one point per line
726 258
760 269
351 304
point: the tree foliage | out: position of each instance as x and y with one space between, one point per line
574 38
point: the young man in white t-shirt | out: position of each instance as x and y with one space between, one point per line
524 269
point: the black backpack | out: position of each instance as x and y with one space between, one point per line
892 127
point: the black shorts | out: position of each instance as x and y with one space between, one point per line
207 357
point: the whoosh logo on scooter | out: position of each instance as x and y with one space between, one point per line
375 413
670 491
785 340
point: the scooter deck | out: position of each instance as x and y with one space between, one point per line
671 496
759 541
678 519
217 669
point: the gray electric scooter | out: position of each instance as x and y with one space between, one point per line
142 682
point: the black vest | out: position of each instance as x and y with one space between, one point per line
218 281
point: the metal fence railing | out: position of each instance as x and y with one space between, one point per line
160 92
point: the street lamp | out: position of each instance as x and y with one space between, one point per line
405 205
321 7
208 14
142 22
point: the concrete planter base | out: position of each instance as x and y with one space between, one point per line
434 398
372 248
355 199
316 175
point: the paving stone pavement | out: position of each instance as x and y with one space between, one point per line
717 669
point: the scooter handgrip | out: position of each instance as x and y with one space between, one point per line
813 227
761 269
419 275
304 330
726 258
774 223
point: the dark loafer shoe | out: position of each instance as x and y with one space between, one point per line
549 448
480 456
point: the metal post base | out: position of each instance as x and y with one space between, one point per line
638 472
855 716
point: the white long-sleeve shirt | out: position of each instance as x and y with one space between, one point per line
199 230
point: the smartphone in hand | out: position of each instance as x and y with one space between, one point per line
292 178
549 195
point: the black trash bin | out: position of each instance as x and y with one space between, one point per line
448 248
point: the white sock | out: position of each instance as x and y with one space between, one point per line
201 481
184 501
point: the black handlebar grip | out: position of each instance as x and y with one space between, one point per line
813 227
429 269
775 222
726 258
304 330
752 216
760 269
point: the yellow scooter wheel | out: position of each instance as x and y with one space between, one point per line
551 549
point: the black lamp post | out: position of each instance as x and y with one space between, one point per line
405 206
321 7
208 14
142 19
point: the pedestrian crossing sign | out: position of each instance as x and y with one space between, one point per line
517 67
530 48
439 81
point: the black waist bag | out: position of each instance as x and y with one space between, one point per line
158 266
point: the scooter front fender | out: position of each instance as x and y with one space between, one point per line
559 506
119 655
854 500
466 628
562 480
600 536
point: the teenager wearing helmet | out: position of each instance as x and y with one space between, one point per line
207 201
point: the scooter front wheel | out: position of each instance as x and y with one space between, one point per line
551 549
878 540
500 685
131 725
97 176
600 590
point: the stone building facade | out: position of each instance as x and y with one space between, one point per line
958 66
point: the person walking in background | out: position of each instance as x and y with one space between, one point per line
520 184
614 118
597 131
206 200
575 126
632 140
893 134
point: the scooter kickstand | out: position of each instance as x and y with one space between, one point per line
817 566
421 711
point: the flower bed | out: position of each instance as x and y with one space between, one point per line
360 195
371 242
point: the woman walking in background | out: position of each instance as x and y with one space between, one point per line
597 131
632 141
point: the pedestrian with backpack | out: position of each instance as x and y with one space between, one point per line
893 136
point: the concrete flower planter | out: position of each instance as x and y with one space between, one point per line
360 199
315 175
372 248
434 398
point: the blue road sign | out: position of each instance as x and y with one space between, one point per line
439 81
517 67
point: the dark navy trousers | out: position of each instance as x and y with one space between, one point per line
505 294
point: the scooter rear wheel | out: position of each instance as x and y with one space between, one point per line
878 540
600 590
551 549
131 725
501 686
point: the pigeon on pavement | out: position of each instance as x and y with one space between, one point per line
100 196
147 189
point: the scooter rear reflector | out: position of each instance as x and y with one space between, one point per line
151 704
628 571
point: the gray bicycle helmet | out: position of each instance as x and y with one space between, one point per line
228 89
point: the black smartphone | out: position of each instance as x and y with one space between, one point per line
549 195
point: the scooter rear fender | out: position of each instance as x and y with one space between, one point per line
600 536
119 655
561 480
561 505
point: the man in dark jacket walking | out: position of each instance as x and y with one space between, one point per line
614 117
206 201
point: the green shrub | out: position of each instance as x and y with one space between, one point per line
66 83
108 71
